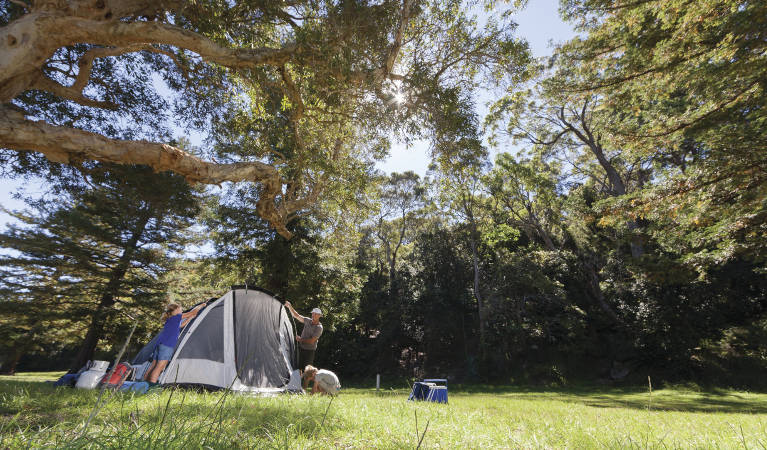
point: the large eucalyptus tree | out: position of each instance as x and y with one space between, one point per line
288 91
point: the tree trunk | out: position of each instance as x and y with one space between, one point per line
618 189
477 294
637 248
116 27
392 268
598 295
95 331
536 223
9 366
547 240
481 307
104 309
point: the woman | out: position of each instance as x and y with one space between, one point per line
175 319
325 381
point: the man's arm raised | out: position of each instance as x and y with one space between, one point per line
293 312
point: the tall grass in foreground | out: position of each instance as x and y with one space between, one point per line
33 414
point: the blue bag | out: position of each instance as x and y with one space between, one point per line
68 380
139 387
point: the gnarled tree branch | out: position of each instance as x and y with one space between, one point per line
70 145
115 27
44 83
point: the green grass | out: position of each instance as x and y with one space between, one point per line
35 414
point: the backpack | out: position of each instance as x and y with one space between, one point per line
119 375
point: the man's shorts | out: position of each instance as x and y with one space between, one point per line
162 353
305 357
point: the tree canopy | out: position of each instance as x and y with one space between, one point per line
291 93
594 215
95 253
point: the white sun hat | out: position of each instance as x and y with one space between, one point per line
317 311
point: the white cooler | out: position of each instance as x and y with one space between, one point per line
91 377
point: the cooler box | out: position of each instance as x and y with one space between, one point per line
429 390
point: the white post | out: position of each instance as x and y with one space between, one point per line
378 381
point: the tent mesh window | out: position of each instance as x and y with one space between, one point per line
257 325
188 327
207 341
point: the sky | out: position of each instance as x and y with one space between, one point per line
539 24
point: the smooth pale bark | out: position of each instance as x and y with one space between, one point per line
533 220
33 38
70 145
27 42
548 242
116 27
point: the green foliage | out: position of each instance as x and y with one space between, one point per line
625 236
642 168
98 253
501 236
684 82
526 196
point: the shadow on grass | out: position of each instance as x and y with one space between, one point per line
672 399
179 416
701 404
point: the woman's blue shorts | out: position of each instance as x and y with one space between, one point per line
162 352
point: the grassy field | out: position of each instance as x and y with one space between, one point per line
35 414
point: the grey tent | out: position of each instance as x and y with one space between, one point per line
243 340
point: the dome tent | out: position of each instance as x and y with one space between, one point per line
243 341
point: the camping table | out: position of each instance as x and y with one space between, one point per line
428 390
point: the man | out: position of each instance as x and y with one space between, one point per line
307 342
325 381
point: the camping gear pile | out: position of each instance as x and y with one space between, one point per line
242 341
96 373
